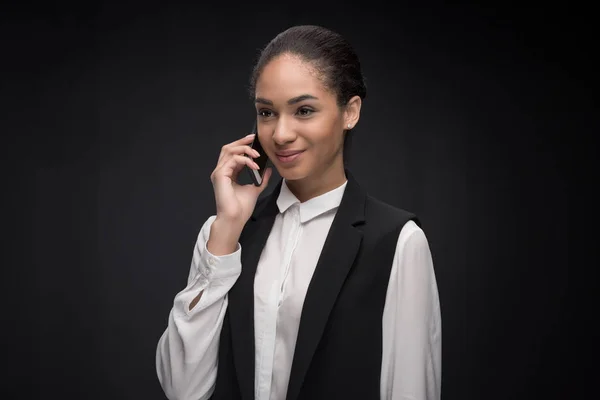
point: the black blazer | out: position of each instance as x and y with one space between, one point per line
338 349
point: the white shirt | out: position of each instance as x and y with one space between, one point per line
187 351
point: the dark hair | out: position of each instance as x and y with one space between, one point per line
330 54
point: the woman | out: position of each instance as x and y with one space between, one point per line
318 290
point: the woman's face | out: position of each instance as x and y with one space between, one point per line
300 125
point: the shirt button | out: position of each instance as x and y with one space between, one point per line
211 261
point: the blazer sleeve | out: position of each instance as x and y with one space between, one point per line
412 330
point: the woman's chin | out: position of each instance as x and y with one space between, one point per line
293 174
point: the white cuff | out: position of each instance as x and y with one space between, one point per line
216 268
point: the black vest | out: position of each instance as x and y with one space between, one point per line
339 345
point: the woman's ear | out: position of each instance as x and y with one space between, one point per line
352 112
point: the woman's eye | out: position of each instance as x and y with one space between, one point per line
265 113
304 111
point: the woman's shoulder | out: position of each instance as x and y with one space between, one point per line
377 209
392 227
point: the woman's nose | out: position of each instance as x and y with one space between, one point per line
283 132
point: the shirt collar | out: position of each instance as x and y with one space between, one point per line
313 207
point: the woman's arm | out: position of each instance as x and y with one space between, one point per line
187 351
412 329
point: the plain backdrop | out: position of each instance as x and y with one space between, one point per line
114 116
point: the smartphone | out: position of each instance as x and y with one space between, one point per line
262 160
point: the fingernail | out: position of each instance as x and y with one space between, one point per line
257 153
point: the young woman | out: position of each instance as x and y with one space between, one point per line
317 290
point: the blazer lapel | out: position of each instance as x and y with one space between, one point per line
336 259
241 295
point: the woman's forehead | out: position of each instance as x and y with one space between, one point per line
286 77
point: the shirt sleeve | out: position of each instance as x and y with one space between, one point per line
412 341
187 351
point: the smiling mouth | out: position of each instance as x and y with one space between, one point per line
289 158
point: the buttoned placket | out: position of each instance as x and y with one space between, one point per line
290 234
290 247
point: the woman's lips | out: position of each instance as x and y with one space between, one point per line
288 157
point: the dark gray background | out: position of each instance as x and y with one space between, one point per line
114 117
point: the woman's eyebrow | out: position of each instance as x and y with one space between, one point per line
293 100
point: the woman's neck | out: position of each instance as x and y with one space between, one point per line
315 185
